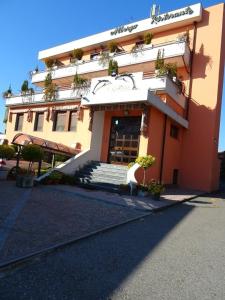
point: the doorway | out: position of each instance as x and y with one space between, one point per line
124 139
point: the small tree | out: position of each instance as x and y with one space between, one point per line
145 162
113 67
159 63
25 87
6 151
32 153
50 87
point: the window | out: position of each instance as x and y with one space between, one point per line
174 131
39 121
19 122
140 43
175 176
94 55
73 121
59 122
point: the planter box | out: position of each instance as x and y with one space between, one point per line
3 174
143 193
25 181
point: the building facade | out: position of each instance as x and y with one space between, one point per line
151 87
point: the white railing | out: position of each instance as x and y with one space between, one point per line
172 50
60 95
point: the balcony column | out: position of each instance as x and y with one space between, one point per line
143 145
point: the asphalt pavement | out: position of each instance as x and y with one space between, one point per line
175 254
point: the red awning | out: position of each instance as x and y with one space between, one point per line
25 139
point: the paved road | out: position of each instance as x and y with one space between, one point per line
176 254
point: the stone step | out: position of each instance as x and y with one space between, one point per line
99 169
85 173
103 187
101 180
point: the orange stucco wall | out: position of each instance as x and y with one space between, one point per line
200 166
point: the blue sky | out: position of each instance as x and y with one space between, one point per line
29 26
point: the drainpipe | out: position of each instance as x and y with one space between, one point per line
191 70
163 149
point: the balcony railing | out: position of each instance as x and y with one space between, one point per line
173 51
60 95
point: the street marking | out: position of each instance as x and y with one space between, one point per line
12 217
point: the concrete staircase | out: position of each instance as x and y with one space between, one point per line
102 176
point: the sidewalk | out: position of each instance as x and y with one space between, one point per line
167 199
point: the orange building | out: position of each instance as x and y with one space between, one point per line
151 87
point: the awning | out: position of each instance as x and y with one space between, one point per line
22 139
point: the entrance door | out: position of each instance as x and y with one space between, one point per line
124 139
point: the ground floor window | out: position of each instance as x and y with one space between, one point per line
39 121
19 122
72 121
60 120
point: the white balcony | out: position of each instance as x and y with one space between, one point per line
176 51
131 88
61 95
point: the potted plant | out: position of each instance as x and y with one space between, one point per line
49 63
50 88
7 93
159 63
31 153
25 90
148 38
155 189
35 70
79 82
113 47
104 58
113 68
6 152
77 54
145 162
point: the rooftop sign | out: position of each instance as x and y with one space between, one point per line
168 16
122 29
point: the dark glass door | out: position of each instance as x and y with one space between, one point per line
124 139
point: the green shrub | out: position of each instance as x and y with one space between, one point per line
25 87
32 153
156 188
113 67
148 38
77 54
159 63
6 151
113 47
49 63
